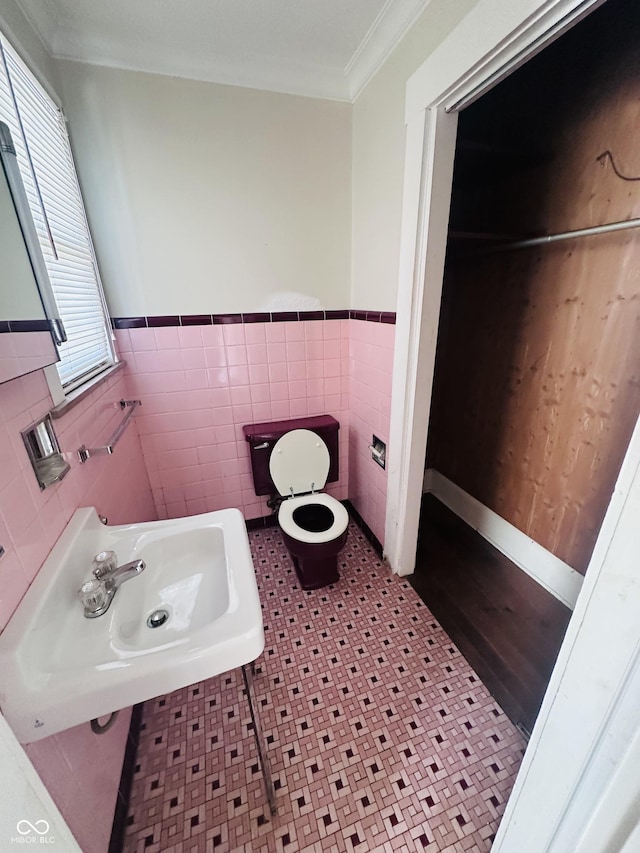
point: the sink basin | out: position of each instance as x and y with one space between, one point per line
198 591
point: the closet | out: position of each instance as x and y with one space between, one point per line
537 380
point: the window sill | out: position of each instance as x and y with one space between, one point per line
79 394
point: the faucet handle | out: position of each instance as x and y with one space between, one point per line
103 563
93 595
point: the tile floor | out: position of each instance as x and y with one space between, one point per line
381 737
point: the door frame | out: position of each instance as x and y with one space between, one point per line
495 38
581 749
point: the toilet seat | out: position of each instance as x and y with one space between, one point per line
287 523
299 463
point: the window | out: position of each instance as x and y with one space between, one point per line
48 173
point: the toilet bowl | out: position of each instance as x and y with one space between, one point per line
313 524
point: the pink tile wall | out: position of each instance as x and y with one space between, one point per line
370 368
21 353
81 770
201 384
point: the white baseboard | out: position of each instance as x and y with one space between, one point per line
550 572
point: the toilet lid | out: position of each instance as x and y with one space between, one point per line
299 462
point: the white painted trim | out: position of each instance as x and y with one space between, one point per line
585 722
44 25
405 353
494 35
488 44
589 715
284 78
556 576
615 824
63 40
430 154
393 22
55 386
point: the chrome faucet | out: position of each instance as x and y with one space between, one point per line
96 595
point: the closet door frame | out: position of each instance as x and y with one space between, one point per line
495 38
577 788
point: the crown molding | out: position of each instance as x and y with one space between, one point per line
392 23
44 24
245 72
267 73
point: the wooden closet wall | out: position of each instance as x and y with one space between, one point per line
537 386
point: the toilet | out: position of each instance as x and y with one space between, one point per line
292 461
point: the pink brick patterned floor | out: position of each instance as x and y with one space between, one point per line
380 735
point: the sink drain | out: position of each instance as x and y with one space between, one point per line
157 618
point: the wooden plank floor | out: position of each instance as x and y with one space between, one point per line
507 626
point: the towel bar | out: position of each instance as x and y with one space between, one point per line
85 453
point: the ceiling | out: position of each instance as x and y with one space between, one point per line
317 48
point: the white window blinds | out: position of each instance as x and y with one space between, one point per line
49 176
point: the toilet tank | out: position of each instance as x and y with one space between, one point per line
259 435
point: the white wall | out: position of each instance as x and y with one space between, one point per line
205 198
378 158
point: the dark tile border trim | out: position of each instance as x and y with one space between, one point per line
226 319
129 322
116 842
164 320
256 317
24 326
196 320
272 521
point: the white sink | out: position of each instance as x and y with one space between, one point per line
58 668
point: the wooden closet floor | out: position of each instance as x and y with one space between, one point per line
506 625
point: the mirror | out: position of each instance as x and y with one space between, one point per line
26 339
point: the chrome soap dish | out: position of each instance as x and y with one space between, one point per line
44 452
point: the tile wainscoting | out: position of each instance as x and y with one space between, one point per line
81 770
200 382
387 317
370 375
201 378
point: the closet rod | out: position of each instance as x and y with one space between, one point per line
568 235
